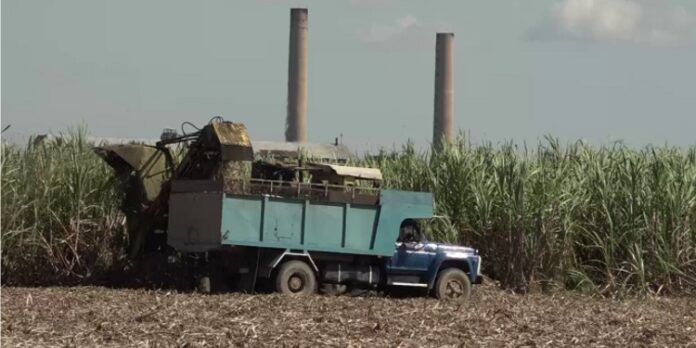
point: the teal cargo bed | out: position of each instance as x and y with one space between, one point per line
209 219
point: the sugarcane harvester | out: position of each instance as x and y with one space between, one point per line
201 198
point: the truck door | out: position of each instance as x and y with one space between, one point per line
413 254
411 258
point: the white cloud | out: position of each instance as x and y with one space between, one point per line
639 21
385 32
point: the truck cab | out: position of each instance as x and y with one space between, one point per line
447 270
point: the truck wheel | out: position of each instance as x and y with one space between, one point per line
296 278
453 284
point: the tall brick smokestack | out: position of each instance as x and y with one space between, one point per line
296 123
444 90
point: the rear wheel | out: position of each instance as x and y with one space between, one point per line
296 278
453 284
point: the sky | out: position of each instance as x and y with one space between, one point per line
597 70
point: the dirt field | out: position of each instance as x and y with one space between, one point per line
93 316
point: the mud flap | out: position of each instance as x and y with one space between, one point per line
247 279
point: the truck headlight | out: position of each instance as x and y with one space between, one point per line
478 266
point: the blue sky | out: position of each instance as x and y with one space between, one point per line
599 70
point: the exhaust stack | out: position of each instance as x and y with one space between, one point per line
296 123
444 90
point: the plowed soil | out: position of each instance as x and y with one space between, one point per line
95 316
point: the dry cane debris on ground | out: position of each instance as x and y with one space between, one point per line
94 316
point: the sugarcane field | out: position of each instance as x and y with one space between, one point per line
194 174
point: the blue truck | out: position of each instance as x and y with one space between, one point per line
297 227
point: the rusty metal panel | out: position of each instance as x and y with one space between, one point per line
234 141
230 133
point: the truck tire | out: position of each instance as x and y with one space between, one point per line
296 278
453 284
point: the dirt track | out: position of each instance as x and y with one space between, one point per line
93 316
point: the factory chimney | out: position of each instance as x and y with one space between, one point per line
296 123
444 90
